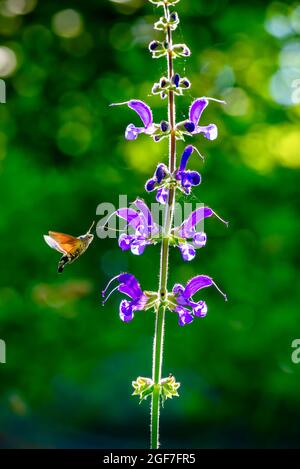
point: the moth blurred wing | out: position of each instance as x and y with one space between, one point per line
67 243
53 244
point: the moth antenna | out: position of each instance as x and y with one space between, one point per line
92 225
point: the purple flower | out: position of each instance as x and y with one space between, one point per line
191 126
183 178
128 285
143 226
158 182
187 231
184 304
145 113
187 178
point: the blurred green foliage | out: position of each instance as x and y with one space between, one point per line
70 362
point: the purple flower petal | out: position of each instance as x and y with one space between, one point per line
178 289
129 280
200 239
145 215
162 195
185 156
184 316
143 110
189 126
209 131
196 109
125 241
190 178
176 79
187 251
194 218
138 247
126 311
132 132
160 172
200 310
195 284
131 216
150 185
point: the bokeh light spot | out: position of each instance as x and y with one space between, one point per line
237 102
8 61
67 23
279 26
295 19
20 7
74 138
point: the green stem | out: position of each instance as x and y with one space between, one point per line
164 262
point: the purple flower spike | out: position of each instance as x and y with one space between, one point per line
127 284
145 114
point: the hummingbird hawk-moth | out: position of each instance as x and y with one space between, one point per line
70 246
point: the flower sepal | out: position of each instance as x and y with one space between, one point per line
162 131
158 49
164 23
162 3
143 387
168 388
177 84
180 50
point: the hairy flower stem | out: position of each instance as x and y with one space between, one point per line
164 260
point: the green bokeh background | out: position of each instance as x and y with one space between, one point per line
70 362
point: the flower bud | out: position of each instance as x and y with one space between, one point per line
164 125
150 185
154 45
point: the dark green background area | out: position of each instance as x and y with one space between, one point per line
70 362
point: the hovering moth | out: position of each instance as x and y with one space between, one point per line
70 246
